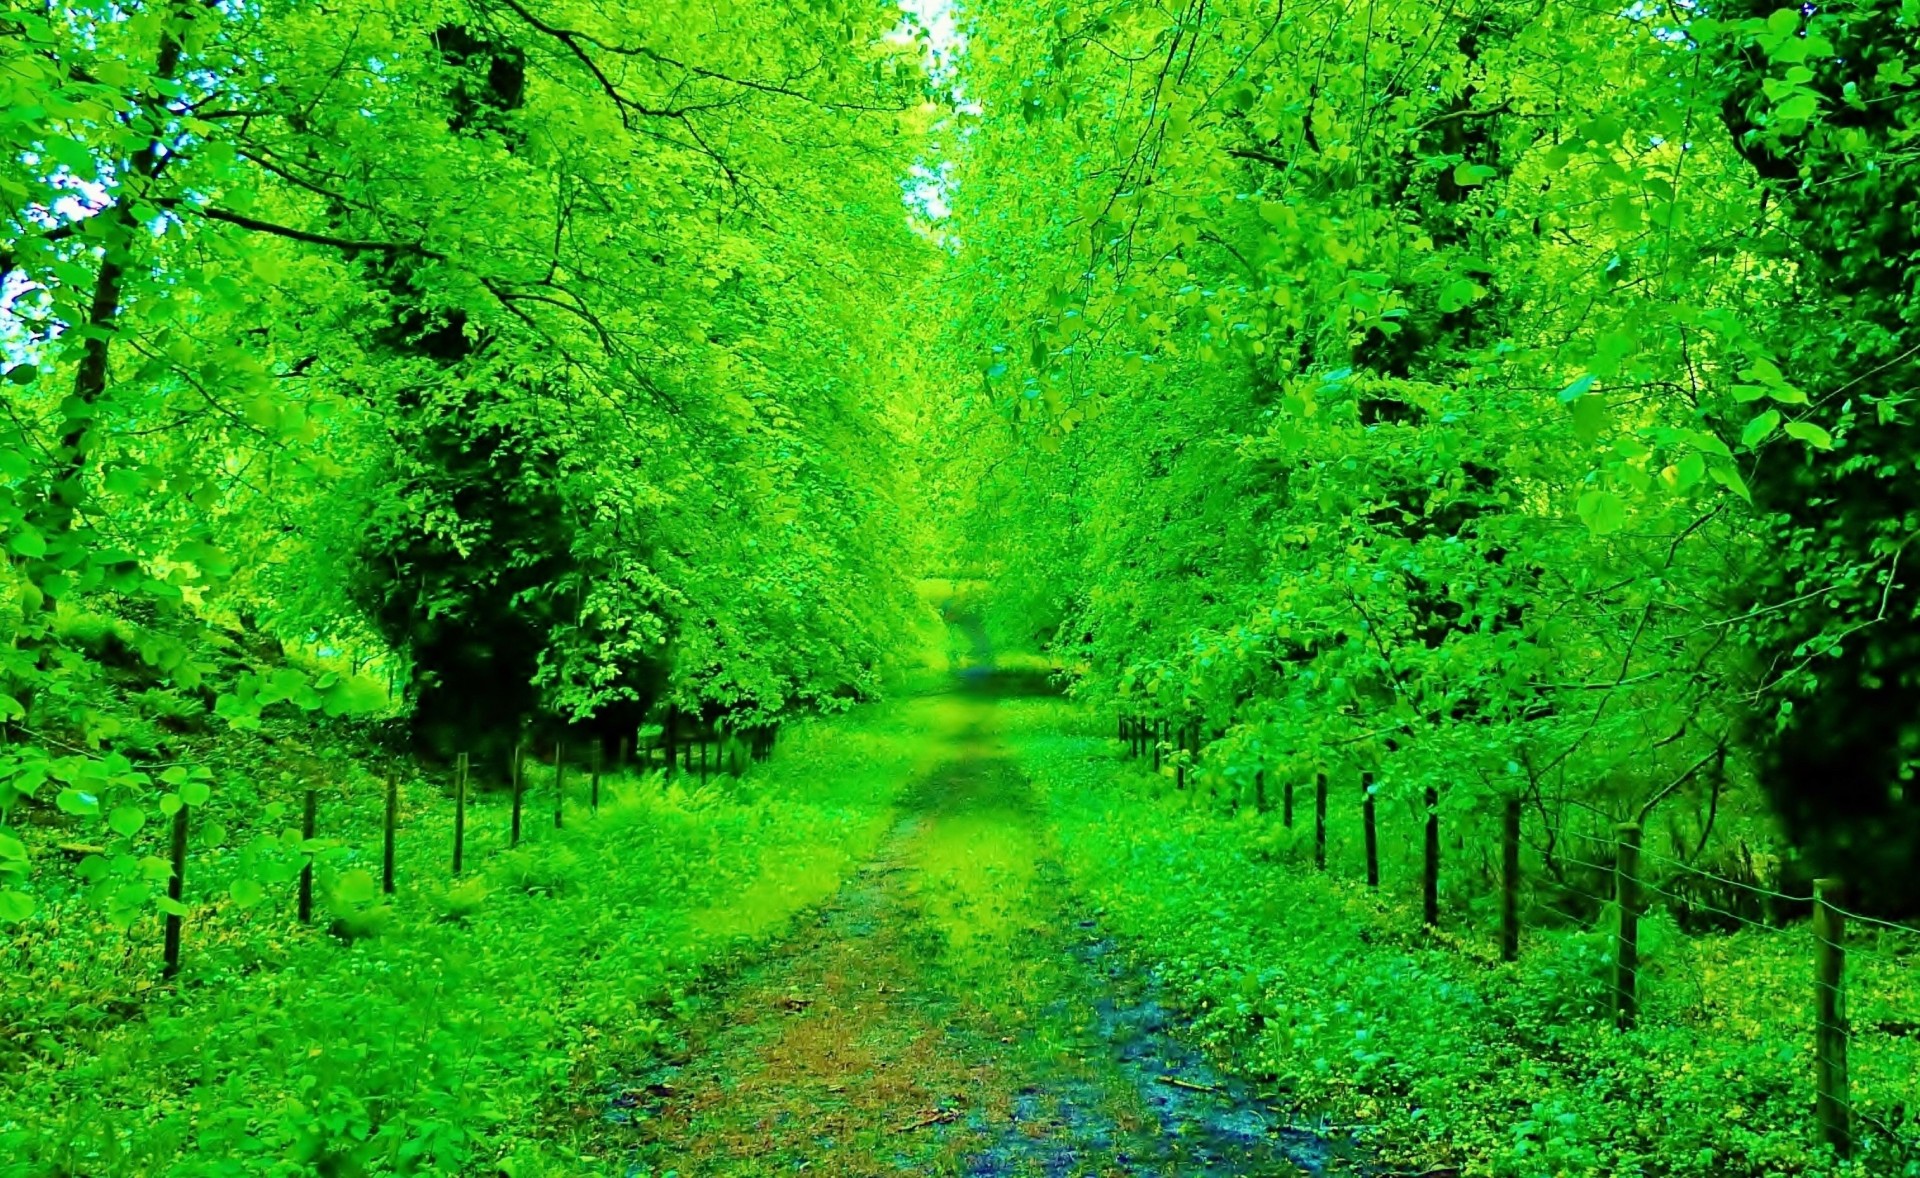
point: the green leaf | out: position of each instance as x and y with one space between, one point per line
72 801
1459 293
1760 428
72 154
1603 512
1811 434
29 543
171 906
123 480
245 893
1802 106
1724 474
126 821
15 906
195 793
1783 22
1590 417
1625 213
356 888
1471 175
1577 389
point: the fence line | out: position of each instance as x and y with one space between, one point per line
1633 871
759 741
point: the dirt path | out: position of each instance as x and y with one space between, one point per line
947 1015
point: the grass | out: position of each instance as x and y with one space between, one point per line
454 1029
1443 1057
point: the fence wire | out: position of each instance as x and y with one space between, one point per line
1859 1025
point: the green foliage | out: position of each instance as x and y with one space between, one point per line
1442 1056
1477 396
447 1029
544 361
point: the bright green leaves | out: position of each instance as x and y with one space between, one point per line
1590 417
1602 511
72 155
126 821
1793 99
15 905
1473 175
1763 378
1811 434
1579 387
355 888
1686 474
28 542
1760 428
1625 213
1457 294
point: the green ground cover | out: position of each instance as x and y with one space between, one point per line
1441 1056
453 1030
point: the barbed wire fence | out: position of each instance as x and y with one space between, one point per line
1861 972
336 824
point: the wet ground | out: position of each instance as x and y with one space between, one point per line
948 1012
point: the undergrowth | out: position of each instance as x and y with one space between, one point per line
461 1027
1442 1057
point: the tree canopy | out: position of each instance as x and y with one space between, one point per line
1508 394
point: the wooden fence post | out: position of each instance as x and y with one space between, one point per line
518 770
1370 830
559 783
176 891
594 796
1260 789
1430 893
1832 1103
1510 883
1286 803
459 812
307 820
1626 958
1320 821
620 758
1179 761
704 742
386 842
667 737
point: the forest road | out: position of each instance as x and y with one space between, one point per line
947 1013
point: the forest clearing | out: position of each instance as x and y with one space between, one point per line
955 587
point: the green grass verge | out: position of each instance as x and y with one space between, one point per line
1442 1057
464 1028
